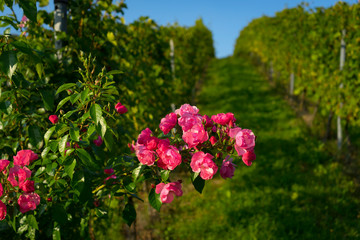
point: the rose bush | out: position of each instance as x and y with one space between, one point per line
198 142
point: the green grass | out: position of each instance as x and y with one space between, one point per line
294 190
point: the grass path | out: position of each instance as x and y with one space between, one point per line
292 191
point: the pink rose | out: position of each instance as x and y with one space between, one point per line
28 202
213 140
195 135
187 121
147 140
248 157
110 177
25 157
18 175
2 211
109 171
1 190
208 122
224 118
167 191
145 155
202 162
53 119
3 164
168 123
120 108
244 140
186 108
98 142
227 168
27 186
169 156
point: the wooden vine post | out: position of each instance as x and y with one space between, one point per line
342 63
59 23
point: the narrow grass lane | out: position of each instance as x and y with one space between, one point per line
292 191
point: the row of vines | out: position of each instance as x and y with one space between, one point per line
70 123
306 43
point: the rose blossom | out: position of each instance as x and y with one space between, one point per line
110 177
208 122
202 162
147 140
244 139
145 155
53 119
27 186
1 190
2 211
20 173
186 108
223 118
109 171
25 157
98 142
187 121
120 108
168 123
28 202
248 157
167 191
169 156
3 164
213 140
227 168
195 135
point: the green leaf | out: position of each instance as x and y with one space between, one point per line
22 47
95 113
75 134
199 184
129 184
9 20
154 199
74 97
48 98
48 134
101 128
32 221
7 31
53 146
129 214
69 169
84 95
137 171
165 175
65 86
40 69
62 102
113 72
29 8
62 144
56 233
109 140
8 63
86 159
35 136
43 3
45 152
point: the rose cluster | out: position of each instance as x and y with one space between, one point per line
18 181
204 140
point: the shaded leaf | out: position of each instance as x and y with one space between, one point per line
154 199
129 214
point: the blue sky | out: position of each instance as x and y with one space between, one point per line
224 18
